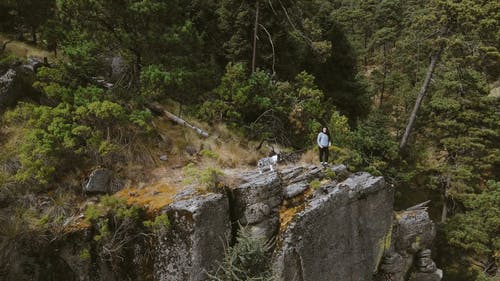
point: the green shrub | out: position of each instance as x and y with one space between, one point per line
8 59
92 213
115 226
81 122
208 178
330 174
85 254
265 108
249 259
315 184
209 154
159 224
211 178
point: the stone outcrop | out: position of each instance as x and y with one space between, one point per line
16 83
8 88
200 228
410 254
328 224
99 181
341 233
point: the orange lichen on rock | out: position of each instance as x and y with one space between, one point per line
152 197
287 215
290 208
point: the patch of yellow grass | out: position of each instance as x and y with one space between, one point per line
153 197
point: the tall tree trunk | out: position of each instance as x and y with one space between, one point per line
384 76
365 44
420 97
256 28
33 35
444 211
444 198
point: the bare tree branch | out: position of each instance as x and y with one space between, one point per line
272 46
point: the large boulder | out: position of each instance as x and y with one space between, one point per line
16 83
8 88
194 245
99 181
340 235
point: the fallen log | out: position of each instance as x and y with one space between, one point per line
157 108
420 206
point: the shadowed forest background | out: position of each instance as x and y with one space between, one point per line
272 71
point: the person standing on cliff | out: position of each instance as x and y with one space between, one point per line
323 144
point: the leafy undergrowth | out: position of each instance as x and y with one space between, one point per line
249 259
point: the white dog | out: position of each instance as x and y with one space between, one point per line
268 161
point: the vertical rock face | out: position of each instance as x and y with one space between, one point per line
341 233
200 227
255 203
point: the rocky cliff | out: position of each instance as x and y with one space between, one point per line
340 235
328 224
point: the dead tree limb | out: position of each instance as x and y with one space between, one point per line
272 45
420 206
156 107
420 97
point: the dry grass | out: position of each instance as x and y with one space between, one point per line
287 215
25 50
310 156
223 148
154 183
153 197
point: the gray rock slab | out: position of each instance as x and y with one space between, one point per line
413 231
340 170
339 236
291 173
255 203
99 181
308 173
295 189
200 228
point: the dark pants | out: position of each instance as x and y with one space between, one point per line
323 154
